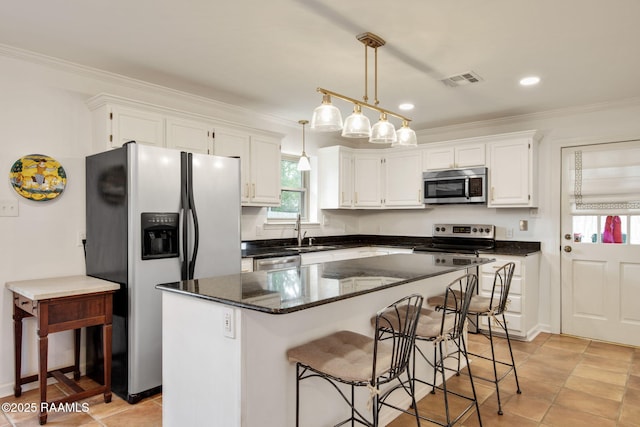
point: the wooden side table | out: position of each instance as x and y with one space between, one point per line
61 304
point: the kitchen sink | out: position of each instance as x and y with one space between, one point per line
309 248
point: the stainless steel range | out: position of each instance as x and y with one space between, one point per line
461 238
460 244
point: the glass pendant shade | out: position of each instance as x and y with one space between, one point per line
326 117
406 136
303 163
357 125
383 132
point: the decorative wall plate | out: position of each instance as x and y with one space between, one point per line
38 177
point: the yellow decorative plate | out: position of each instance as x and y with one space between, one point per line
38 177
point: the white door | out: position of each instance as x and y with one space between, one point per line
600 261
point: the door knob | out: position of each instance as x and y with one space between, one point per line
567 248
567 237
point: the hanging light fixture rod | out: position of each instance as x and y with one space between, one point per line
363 104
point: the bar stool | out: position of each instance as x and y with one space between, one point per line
493 308
358 360
441 327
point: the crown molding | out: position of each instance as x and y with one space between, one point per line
114 78
541 115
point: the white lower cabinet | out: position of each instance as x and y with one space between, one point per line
522 308
351 253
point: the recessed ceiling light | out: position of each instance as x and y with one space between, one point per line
530 81
406 106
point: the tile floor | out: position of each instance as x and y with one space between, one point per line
565 381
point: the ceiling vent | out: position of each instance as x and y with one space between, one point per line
462 79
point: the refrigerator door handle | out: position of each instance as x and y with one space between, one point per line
184 210
194 215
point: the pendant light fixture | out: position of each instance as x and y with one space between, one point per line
303 163
327 117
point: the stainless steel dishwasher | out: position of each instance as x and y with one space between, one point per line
276 263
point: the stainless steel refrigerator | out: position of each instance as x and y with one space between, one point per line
154 215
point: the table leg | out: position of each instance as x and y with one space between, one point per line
42 374
17 351
76 354
106 337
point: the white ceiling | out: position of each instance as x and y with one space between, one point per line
271 55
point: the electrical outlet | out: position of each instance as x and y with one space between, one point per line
8 208
80 237
509 233
228 323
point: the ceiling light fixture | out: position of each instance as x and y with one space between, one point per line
303 163
530 81
327 117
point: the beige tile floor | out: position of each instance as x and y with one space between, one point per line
565 381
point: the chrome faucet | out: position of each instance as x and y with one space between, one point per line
299 230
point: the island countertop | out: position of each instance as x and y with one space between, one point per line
299 288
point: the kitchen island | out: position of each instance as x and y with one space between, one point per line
225 338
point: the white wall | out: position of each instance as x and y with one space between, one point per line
43 111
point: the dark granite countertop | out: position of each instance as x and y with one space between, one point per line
278 247
289 290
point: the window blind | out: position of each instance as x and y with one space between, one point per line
606 179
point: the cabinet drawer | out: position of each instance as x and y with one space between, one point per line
487 285
25 304
499 262
514 305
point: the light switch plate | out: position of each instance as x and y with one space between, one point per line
9 208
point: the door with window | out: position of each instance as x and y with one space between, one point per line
600 242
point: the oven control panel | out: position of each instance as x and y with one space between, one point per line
482 231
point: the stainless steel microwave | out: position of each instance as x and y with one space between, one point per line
455 186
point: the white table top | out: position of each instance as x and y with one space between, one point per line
56 287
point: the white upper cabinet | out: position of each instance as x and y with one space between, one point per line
512 164
453 157
403 179
124 124
369 179
119 120
335 177
189 135
259 164
265 171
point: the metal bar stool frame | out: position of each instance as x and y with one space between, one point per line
457 299
497 305
395 325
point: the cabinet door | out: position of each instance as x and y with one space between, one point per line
403 179
136 125
438 158
509 173
188 135
265 171
470 155
236 144
345 179
367 180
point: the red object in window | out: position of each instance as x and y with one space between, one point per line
617 229
607 233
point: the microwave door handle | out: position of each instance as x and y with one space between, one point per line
466 188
